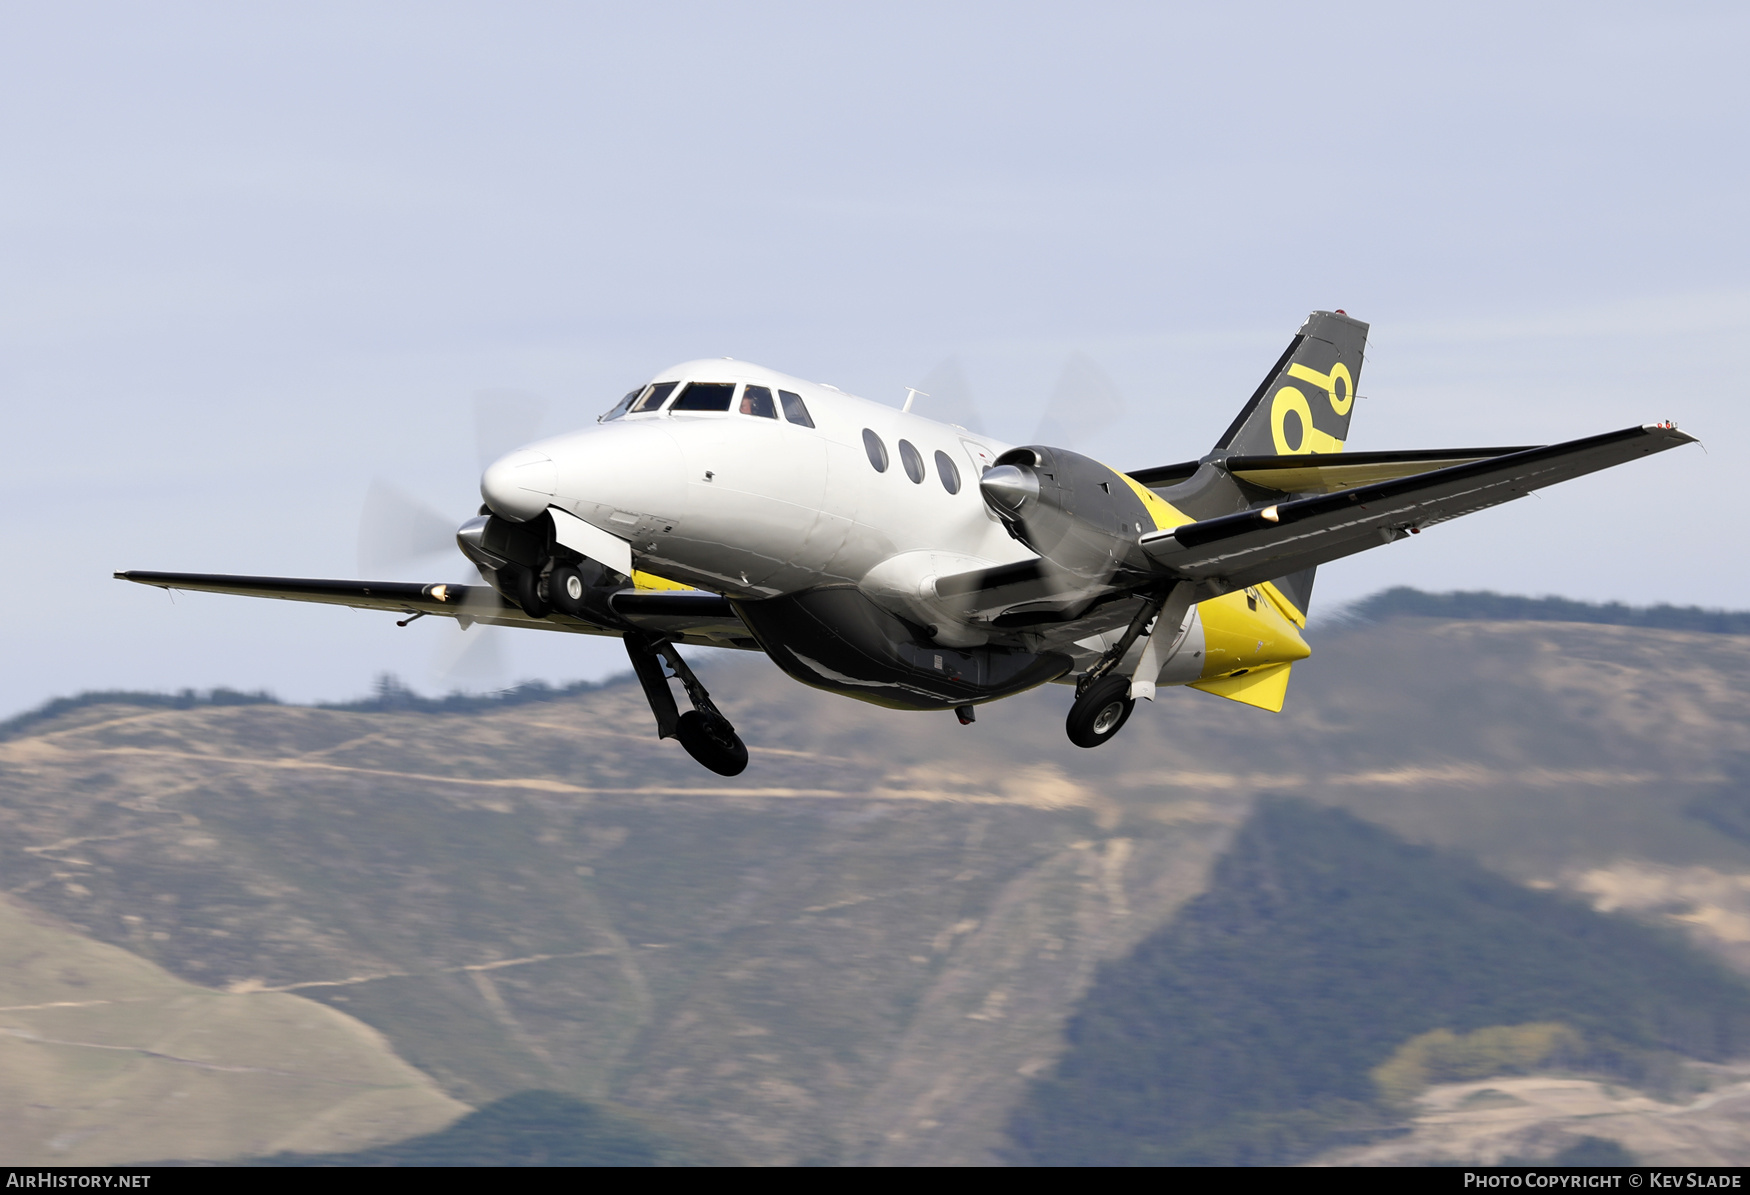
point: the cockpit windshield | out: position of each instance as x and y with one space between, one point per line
711 396
653 398
705 396
620 407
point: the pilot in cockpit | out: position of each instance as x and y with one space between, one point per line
757 400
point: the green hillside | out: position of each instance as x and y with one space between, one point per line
1245 1032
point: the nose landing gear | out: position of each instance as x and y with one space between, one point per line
528 593
710 739
703 730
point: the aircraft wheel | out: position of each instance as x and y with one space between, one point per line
566 589
528 594
718 747
1101 712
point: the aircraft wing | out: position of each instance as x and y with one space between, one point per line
1328 474
690 616
1257 545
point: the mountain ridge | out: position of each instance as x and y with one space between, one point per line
865 947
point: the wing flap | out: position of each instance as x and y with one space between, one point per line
1309 474
1256 545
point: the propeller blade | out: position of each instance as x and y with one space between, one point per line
950 398
1084 402
471 659
474 656
505 420
397 529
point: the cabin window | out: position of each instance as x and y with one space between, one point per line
948 472
876 449
705 396
914 464
619 408
794 410
654 397
757 400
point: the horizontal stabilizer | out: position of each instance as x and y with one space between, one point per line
1258 545
1266 688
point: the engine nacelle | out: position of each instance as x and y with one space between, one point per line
525 562
1084 517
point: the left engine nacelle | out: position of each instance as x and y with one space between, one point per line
526 564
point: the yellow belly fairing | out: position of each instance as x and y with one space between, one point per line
1250 638
1249 644
652 581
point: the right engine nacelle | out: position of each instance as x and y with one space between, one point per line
1084 517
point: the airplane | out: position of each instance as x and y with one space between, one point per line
884 556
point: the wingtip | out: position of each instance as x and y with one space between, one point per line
1672 431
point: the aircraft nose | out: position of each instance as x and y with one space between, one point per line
520 485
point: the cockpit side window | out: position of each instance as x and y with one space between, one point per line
620 407
794 410
705 396
757 400
654 397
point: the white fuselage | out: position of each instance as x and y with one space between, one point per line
757 507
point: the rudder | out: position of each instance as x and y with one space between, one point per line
1305 402
1302 407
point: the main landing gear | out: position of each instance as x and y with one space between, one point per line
1100 711
1103 695
703 730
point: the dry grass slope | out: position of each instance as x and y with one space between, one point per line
860 948
106 1058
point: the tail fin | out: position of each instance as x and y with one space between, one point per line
1303 406
1304 403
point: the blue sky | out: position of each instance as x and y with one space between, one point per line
255 256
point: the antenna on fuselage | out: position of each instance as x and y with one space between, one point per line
912 393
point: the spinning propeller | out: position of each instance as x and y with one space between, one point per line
1083 402
397 531
1079 538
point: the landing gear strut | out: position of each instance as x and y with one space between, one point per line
1104 700
703 730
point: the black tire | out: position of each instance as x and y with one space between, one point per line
567 589
528 594
712 742
1101 712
